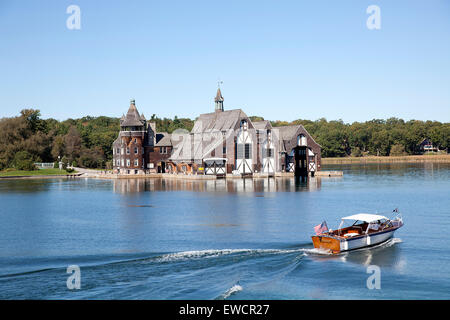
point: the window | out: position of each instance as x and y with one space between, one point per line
163 150
224 150
240 151
269 153
301 140
128 150
117 150
135 150
136 162
248 151
118 162
134 140
128 162
244 124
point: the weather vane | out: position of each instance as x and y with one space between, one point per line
219 82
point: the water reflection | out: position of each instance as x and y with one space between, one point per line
420 169
27 185
222 185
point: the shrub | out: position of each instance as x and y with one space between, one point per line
356 152
24 161
397 150
70 170
64 161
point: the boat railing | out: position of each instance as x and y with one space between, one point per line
395 221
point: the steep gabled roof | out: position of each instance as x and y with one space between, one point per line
133 118
262 125
287 133
163 139
218 121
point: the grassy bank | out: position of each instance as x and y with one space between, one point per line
43 172
374 159
390 159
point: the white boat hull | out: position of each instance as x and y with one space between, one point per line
366 240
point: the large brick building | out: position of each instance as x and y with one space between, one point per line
221 142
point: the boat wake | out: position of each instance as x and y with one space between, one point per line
201 254
233 290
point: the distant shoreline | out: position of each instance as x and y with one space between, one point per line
389 159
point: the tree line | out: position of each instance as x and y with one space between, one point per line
84 142
87 141
378 137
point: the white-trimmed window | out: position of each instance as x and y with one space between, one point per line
128 150
136 162
128 162
136 150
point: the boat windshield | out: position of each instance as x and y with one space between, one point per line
359 227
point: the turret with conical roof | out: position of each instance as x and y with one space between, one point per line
219 101
133 121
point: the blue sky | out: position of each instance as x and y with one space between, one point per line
282 60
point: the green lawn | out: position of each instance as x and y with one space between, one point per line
43 172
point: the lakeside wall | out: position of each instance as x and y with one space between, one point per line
445 158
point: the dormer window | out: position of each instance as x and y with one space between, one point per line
244 125
301 140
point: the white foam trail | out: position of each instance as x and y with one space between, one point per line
318 251
232 290
393 241
186 255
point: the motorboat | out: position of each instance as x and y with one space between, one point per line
366 230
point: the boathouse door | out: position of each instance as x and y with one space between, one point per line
244 144
301 161
268 155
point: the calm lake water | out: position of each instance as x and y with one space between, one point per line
235 239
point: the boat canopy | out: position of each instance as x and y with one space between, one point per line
366 217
